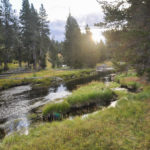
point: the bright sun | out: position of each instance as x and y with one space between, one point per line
97 35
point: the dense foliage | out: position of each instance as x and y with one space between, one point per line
20 36
26 38
128 39
79 48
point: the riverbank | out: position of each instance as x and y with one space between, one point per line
19 105
95 94
125 126
44 78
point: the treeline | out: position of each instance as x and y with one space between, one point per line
128 34
25 37
79 49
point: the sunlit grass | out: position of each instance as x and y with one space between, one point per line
13 65
43 77
129 80
94 92
125 127
108 63
49 73
63 107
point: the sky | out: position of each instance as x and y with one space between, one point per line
85 11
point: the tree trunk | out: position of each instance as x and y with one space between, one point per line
0 63
28 64
35 65
34 60
5 66
20 63
40 60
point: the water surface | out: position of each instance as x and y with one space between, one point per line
17 103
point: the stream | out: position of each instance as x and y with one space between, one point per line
16 104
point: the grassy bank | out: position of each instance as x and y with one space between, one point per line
42 78
92 93
129 80
125 127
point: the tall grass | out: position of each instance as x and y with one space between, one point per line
125 127
129 80
43 77
63 107
94 92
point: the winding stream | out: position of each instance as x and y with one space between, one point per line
17 103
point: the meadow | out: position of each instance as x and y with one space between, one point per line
124 127
93 93
42 78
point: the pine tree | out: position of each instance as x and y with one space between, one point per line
25 19
53 53
89 50
7 21
35 34
17 42
130 21
72 44
44 37
104 53
1 34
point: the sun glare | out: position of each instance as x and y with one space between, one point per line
97 35
96 38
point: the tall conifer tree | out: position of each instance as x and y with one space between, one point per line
7 21
130 37
44 37
25 19
72 44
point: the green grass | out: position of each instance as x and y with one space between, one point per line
63 107
7 83
129 80
125 127
51 73
122 75
13 65
113 85
43 78
94 92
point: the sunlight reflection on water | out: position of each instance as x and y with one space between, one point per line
16 104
